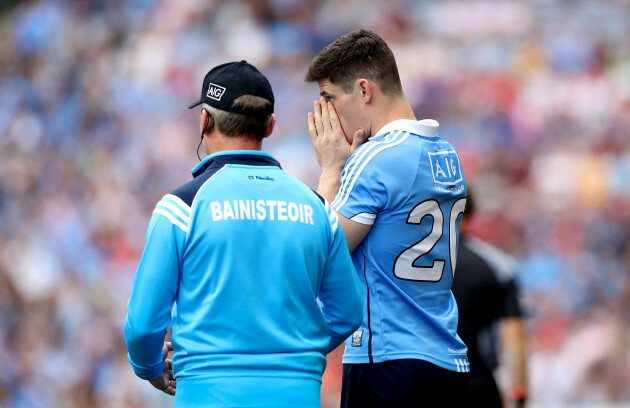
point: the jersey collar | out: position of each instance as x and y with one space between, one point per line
424 127
248 157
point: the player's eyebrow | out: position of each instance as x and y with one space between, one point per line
325 94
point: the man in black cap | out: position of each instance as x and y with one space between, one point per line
244 251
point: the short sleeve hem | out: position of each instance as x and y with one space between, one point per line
364 218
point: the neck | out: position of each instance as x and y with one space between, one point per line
389 111
218 142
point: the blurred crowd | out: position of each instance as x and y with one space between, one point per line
94 129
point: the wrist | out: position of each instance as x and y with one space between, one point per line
518 393
329 182
332 172
158 382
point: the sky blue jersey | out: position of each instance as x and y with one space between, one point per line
408 184
260 275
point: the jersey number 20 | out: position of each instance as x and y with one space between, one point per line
404 267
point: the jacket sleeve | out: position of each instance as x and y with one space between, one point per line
340 291
153 293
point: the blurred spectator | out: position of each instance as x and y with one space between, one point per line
534 95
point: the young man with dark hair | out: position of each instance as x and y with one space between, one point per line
246 253
399 192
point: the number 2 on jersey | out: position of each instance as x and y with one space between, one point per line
404 267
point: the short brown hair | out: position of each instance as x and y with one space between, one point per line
358 54
253 125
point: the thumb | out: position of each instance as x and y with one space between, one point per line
357 140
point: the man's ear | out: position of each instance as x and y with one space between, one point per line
271 125
206 122
366 88
203 120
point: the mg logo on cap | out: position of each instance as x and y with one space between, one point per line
215 91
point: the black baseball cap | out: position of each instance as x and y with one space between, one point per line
224 83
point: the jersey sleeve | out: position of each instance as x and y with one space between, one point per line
504 268
512 304
155 287
340 291
362 193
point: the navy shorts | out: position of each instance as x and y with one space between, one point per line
402 383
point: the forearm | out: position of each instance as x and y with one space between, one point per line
146 325
329 182
340 293
144 351
335 341
152 296
348 318
513 341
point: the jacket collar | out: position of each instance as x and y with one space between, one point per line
247 157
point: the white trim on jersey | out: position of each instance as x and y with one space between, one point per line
358 155
332 217
173 208
364 218
462 365
185 207
376 147
185 217
172 218
356 159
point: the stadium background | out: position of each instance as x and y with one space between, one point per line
94 129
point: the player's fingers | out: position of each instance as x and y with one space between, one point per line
325 117
171 387
168 367
335 124
311 126
317 115
357 140
168 345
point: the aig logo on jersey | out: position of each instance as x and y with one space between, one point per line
445 167
215 91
